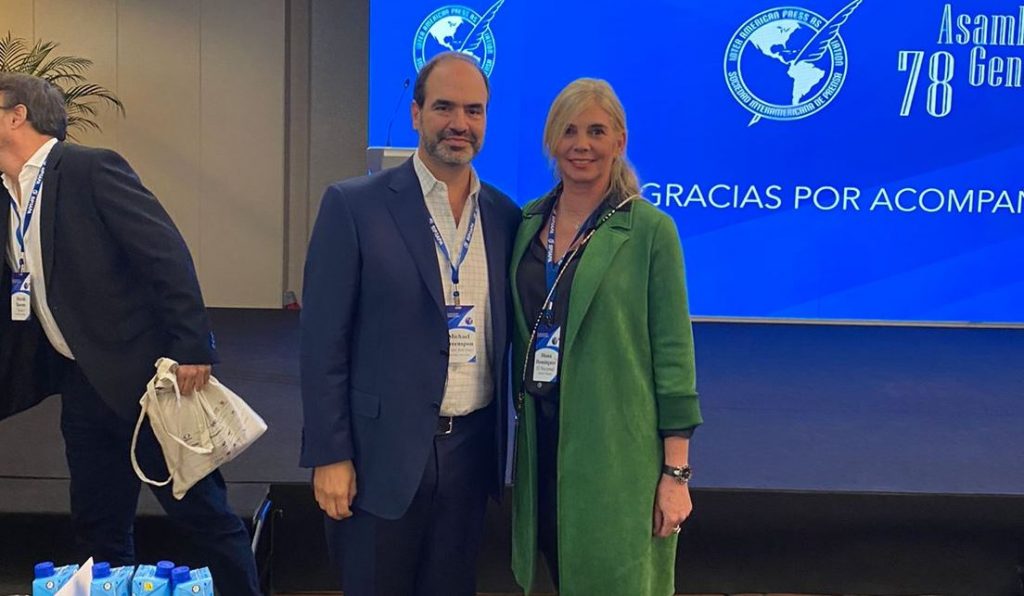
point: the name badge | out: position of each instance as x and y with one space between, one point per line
545 353
461 334
21 296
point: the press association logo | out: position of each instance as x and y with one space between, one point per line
457 29
787 63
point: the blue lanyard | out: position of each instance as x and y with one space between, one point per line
21 232
462 254
551 268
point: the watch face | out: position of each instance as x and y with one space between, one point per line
681 474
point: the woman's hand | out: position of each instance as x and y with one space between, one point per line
672 505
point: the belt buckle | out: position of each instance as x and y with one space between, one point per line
448 431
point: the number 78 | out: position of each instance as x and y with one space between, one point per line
940 70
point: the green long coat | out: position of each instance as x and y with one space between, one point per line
627 371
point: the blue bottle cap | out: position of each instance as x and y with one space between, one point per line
44 569
101 570
163 569
180 575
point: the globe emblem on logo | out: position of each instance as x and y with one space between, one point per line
787 63
457 29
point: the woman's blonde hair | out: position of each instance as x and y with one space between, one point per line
573 99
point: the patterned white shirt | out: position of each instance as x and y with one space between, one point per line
33 245
469 387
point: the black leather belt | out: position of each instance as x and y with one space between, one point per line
447 425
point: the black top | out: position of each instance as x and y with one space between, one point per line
532 286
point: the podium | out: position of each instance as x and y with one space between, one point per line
380 158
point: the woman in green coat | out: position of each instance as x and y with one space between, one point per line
603 350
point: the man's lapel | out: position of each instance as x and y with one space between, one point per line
5 280
496 241
48 209
6 210
410 213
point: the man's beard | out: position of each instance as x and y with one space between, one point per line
439 150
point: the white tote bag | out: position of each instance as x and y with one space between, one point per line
197 433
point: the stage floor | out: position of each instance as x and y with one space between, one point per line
787 408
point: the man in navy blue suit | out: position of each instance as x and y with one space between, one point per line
405 328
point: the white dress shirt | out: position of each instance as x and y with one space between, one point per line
33 246
469 387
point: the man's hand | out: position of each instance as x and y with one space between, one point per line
672 506
193 377
334 486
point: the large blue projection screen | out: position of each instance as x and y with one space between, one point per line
827 159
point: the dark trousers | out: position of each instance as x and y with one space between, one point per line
547 484
432 549
105 492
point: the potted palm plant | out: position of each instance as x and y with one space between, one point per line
67 73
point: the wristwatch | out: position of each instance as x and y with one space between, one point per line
681 474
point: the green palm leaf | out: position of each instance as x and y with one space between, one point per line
36 56
66 65
67 73
14 52
82 109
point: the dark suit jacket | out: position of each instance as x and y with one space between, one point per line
119 281
375 336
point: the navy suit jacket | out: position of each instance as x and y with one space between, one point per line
375 335
119 282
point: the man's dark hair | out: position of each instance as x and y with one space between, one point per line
42 100
419 90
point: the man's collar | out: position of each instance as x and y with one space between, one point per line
39 157
428 180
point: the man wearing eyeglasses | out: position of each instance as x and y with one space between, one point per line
99 284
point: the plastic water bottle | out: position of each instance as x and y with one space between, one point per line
192 582
180 575
49 579
111 582
153 580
